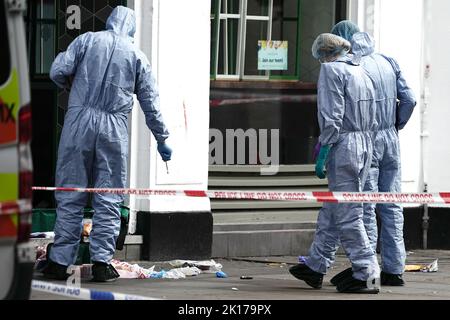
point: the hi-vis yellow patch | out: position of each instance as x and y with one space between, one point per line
9 109
9 186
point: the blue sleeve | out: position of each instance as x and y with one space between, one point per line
65 64
405 95
331 103
148 97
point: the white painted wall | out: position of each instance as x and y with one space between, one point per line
436 85
400 36
175 36
397 28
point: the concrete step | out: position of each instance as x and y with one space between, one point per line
261 204
263 232
251 226
258 243
264 216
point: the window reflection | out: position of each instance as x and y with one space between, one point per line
235 33
257 7
45 47
256 30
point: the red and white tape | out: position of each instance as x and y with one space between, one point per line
320 196
12 207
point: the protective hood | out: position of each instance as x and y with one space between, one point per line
122 21
362 44
345 29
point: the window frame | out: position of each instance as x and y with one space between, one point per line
33 23
242 45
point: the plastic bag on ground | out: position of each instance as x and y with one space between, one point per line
134 271
207 266
131 271
43 235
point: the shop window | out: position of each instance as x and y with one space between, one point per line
268 39
41 30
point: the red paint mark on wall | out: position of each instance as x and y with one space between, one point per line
185 116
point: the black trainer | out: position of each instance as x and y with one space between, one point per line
352 285
347 273
103 272
55 271
303 272
389 279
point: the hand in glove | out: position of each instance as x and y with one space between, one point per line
320 163
165 151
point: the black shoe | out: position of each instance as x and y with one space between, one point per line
55 271
347 273
303 272
388 279
352 285
103 272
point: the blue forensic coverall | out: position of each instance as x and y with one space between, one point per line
385 170
346 114
107 69
395 104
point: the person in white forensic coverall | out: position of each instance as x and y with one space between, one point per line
347 120
107 68
395 105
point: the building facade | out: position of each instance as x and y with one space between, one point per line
238 90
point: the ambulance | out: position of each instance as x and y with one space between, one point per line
16 169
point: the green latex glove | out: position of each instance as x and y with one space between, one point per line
320 163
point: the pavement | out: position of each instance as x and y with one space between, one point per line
271 280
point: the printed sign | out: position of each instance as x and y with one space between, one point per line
272 55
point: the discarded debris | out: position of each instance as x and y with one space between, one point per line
132 271
183 268
41 258
42 235
87 228
208 266
274 264
221 274
432 267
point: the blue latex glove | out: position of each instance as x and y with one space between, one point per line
320 163
165 151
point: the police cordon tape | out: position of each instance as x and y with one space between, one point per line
12 207
313 196
82 293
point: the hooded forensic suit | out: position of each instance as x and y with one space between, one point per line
395 103
346 114
385 171
107 69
